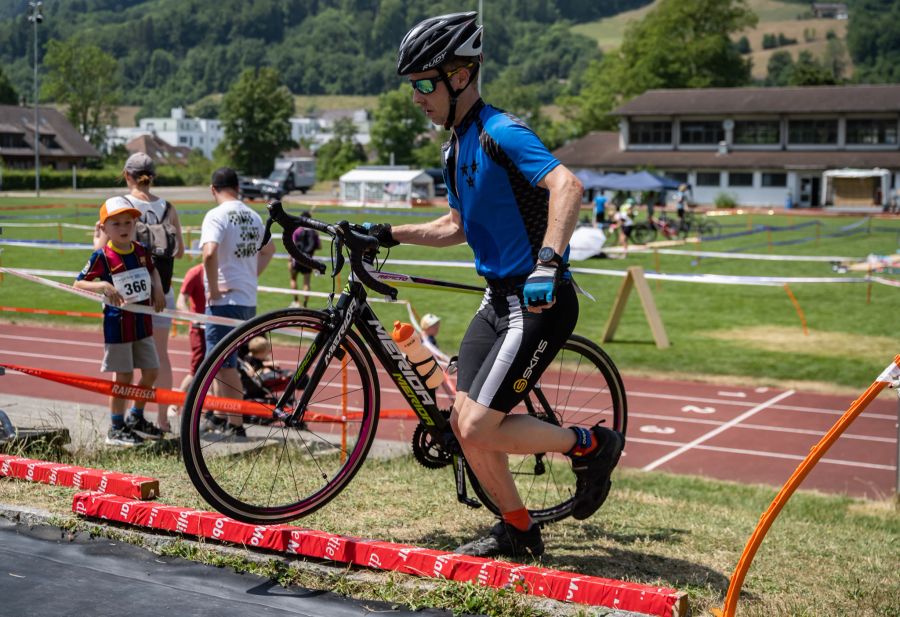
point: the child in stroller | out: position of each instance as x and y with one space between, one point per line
261 378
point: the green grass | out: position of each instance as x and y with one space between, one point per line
735 332
825 555
608 32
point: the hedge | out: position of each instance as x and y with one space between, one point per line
23 179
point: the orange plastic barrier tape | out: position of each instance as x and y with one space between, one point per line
160 395
34 311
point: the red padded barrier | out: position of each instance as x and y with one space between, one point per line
534 580
58 474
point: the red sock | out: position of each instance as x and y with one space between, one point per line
520 519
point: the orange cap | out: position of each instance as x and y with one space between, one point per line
402 331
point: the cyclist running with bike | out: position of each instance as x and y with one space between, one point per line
516 206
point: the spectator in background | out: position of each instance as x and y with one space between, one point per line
193 298
600 210
123 272
139 173
681 202
307 240
431 325
232 262
625 222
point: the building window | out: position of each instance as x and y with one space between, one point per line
12 140
49 142
646 133
812 132
705 132
740 178
680 176
774 179
708 178
872 131
757 132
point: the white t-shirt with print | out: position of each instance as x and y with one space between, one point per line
238 230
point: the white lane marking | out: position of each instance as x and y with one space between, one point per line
732 394
735 421
792 457
695 409
38 339
760 427
662 430
831 412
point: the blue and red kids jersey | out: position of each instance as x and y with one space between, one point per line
120 326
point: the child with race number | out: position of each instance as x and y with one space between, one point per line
123 272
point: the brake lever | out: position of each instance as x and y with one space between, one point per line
338 244
267 236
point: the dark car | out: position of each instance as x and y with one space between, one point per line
437 174
259 188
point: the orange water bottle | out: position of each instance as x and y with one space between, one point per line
419 357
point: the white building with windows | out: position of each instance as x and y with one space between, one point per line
201 134
761 146
318 129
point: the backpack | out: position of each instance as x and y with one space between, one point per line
161 239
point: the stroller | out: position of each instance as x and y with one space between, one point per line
261 382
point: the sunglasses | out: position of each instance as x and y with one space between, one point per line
427 85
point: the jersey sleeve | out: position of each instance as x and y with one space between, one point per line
93 269
523 147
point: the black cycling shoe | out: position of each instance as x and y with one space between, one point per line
505 539
592 472
144 427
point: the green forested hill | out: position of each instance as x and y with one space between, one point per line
176 51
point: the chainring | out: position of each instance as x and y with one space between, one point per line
429 452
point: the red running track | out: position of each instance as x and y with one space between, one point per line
743 434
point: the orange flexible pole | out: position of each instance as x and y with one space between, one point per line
890 374
798 309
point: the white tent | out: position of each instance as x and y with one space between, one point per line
855 187
385 186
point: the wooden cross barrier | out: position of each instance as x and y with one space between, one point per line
634 278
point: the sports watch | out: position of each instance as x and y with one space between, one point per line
549 256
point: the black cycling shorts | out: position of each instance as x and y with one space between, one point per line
506 348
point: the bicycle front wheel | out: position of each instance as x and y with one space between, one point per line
582 387
277 473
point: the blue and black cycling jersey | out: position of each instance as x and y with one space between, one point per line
492 166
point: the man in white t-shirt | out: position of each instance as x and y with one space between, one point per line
232 262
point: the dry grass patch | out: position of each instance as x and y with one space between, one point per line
782 339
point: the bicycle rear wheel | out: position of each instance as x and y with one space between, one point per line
643 233
582 387
709 229
279 473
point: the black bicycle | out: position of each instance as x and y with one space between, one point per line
318 433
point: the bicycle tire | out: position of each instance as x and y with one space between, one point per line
710 229
585 388
643 233
277 474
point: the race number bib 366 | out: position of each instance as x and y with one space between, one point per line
133 285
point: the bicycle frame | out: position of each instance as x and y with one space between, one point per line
353 310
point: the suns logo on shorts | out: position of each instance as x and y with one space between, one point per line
520 385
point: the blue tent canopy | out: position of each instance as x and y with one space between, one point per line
640 181
588 177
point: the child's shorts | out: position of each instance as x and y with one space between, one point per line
125 357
